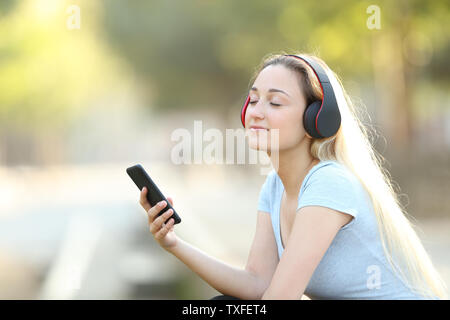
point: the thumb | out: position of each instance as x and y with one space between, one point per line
170 200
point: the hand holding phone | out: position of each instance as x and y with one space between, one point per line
154 195
158 208
162 232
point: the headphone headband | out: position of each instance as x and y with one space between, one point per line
317 68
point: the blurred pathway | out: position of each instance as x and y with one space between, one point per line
216 203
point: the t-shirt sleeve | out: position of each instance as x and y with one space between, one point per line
331 186
264 195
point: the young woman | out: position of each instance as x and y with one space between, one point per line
329 225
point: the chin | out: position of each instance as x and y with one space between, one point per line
259 146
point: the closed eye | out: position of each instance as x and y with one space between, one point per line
274 104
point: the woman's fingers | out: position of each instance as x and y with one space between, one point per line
158 222
143 199
153 211
164 230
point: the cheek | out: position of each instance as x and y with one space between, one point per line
290 125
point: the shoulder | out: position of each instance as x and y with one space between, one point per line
330 167
270 179
267 192
331 184
270 184
331 173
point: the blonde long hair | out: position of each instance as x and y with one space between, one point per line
351 146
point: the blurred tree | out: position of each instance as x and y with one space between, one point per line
403 50
6 6
202 53
48 75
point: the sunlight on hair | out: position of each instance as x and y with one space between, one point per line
351 147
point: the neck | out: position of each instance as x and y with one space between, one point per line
293 165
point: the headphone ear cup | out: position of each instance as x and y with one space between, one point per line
309 119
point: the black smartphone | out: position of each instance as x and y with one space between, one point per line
142 179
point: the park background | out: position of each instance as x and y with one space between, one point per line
80 105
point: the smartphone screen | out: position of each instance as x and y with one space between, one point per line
154 195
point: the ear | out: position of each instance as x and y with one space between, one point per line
308 136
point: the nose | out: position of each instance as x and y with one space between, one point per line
255 111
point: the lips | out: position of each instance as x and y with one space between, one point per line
257 128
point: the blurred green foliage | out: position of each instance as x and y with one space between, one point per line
195 54
202 52
47 72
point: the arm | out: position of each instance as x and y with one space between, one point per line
263 257
312 233
224 278
248 284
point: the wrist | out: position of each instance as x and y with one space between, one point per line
172 248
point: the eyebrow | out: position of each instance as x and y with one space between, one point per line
271 90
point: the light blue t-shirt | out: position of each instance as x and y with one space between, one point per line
354 266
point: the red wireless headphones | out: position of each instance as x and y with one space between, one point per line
321 119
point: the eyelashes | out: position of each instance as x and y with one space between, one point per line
274 104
